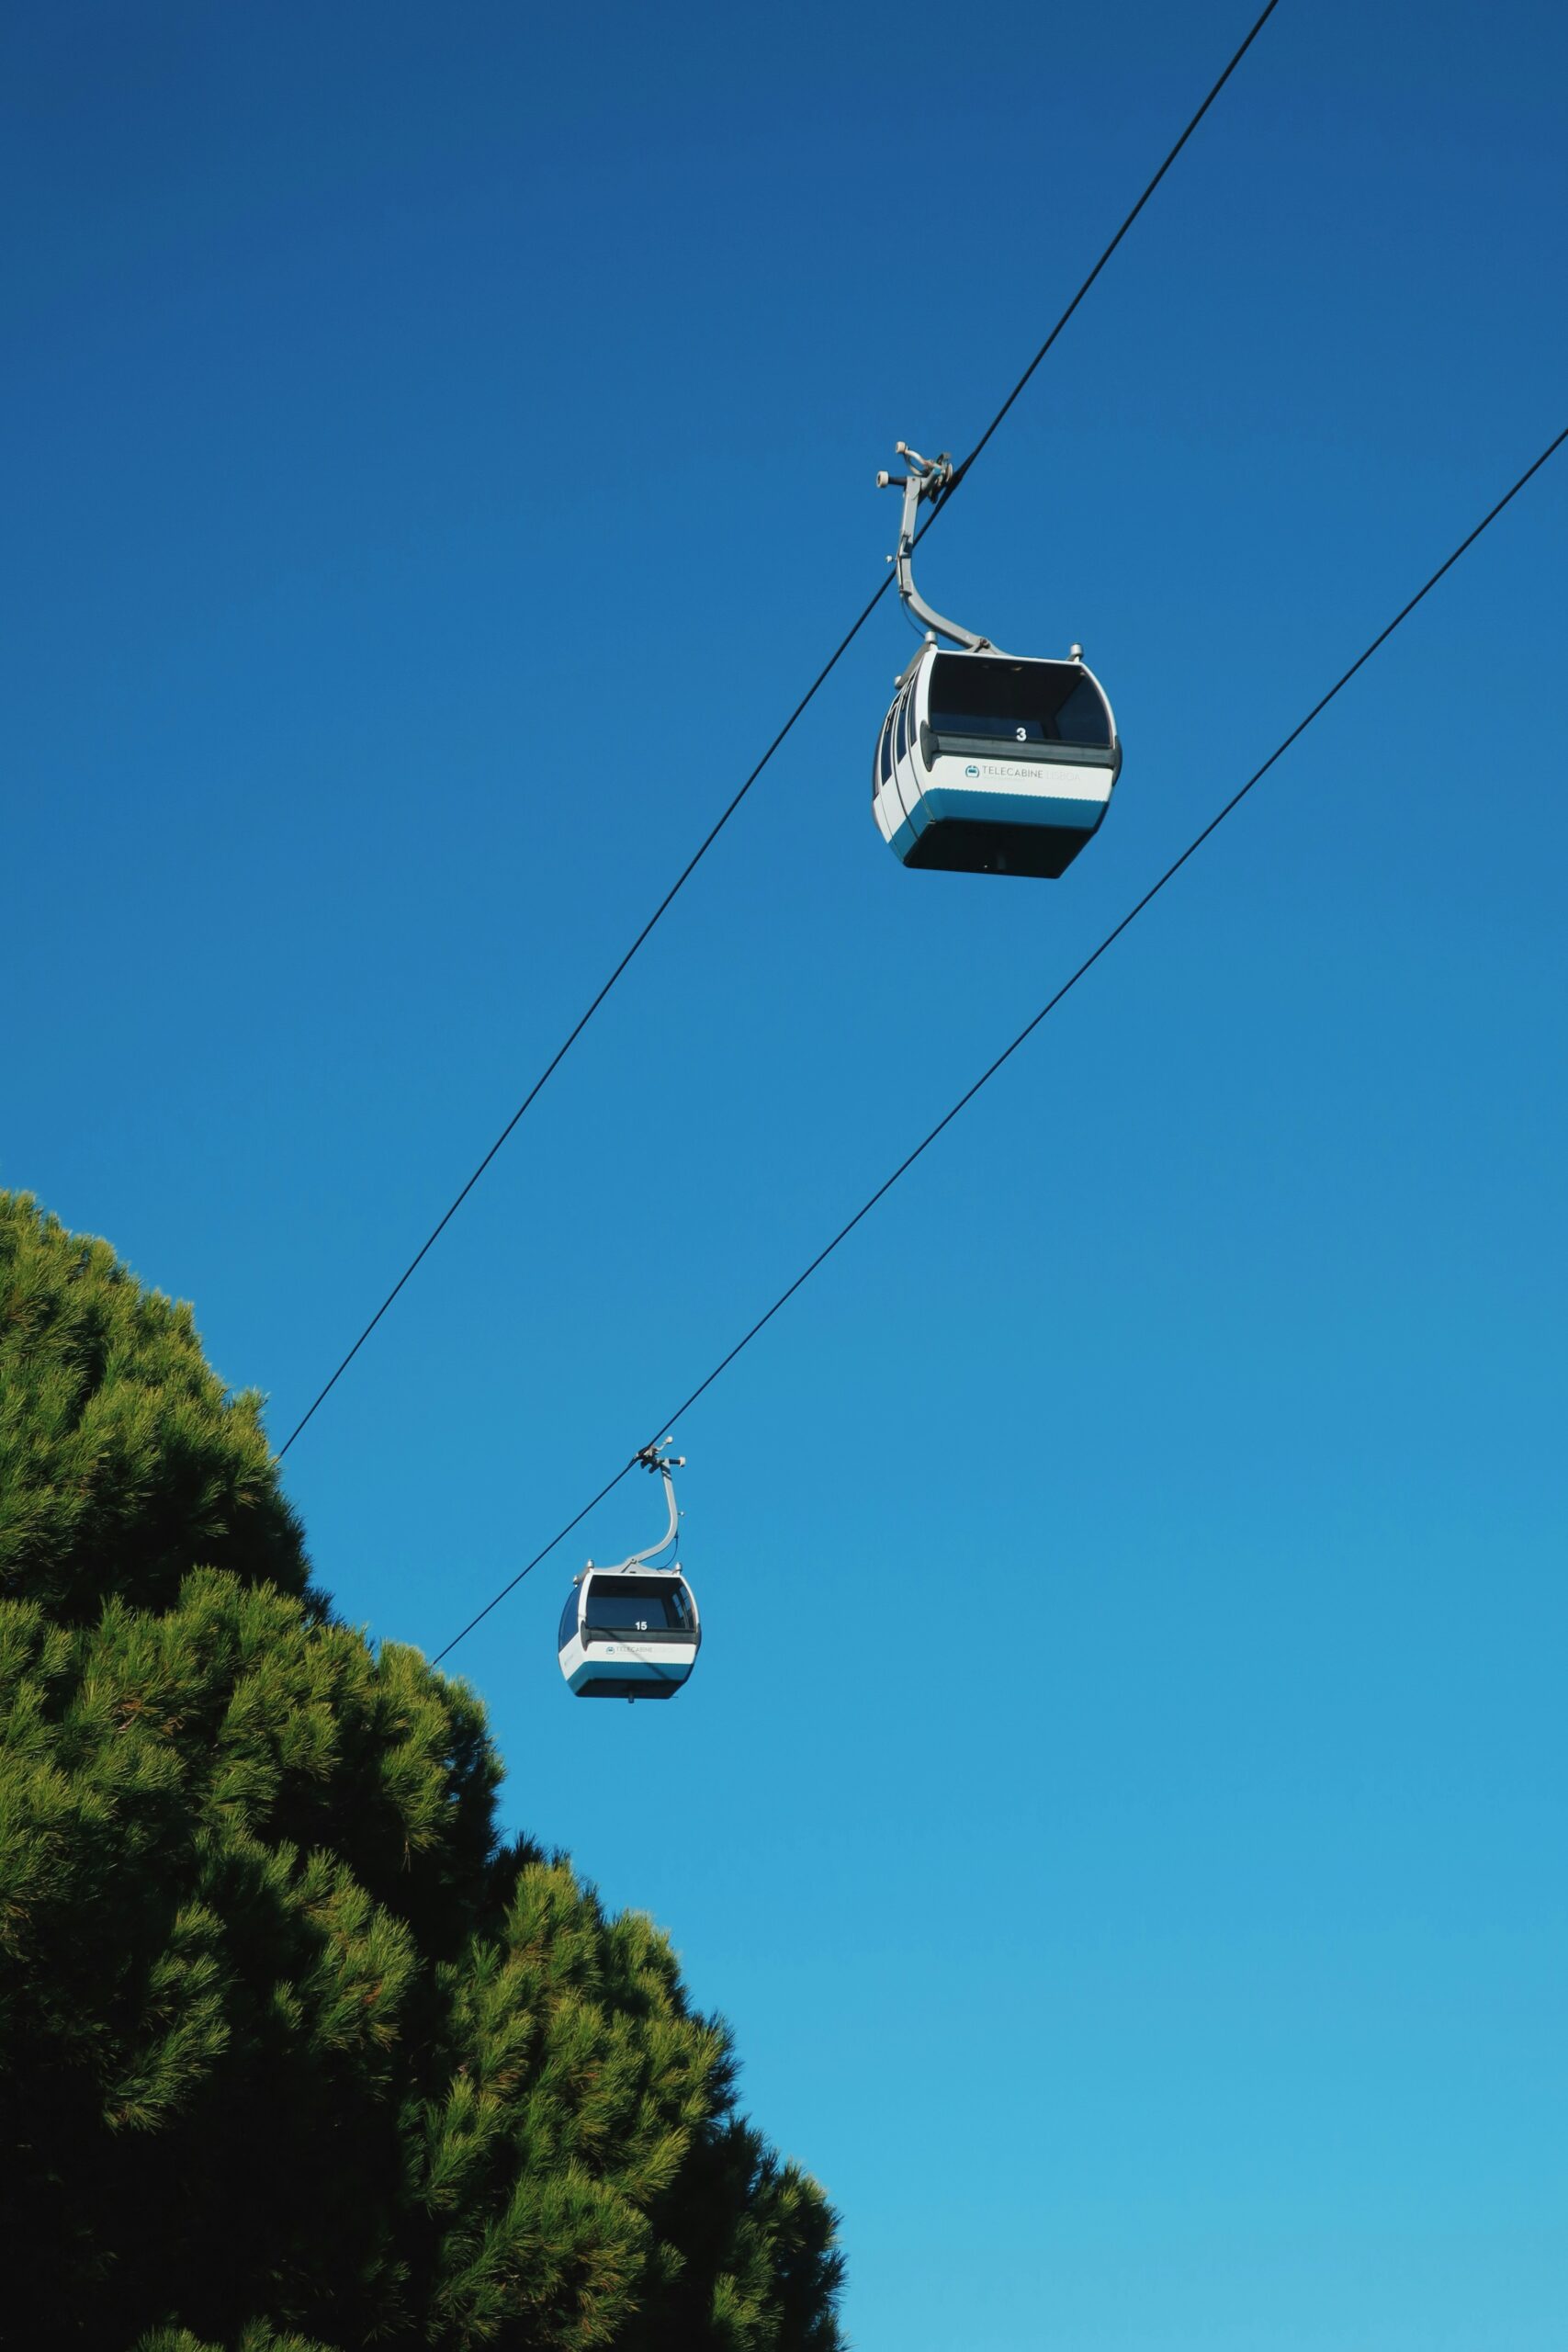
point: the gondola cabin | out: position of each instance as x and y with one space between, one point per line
629 1633
989 763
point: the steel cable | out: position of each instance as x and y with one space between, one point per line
807 697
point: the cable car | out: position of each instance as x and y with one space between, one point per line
988 763
633 1631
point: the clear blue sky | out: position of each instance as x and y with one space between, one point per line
1119 1804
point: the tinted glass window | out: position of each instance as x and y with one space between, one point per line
568 1619
1017 702
903 717
625 1604
885 754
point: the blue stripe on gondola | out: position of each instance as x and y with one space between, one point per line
1010 809
956 804
597 1665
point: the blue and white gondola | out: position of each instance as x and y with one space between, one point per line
991 764
633 1631
988 763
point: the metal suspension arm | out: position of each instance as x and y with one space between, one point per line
653 1457
926 478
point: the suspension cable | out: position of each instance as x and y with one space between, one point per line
669 1421
807 697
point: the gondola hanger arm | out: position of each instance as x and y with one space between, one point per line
926 478
659 1458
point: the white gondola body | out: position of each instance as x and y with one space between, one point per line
634 1656
965 799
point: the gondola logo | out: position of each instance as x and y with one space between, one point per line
972 769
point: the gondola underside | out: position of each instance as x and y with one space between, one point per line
1039 838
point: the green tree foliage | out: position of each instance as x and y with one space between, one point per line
295 2052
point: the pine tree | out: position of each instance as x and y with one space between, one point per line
295 2051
